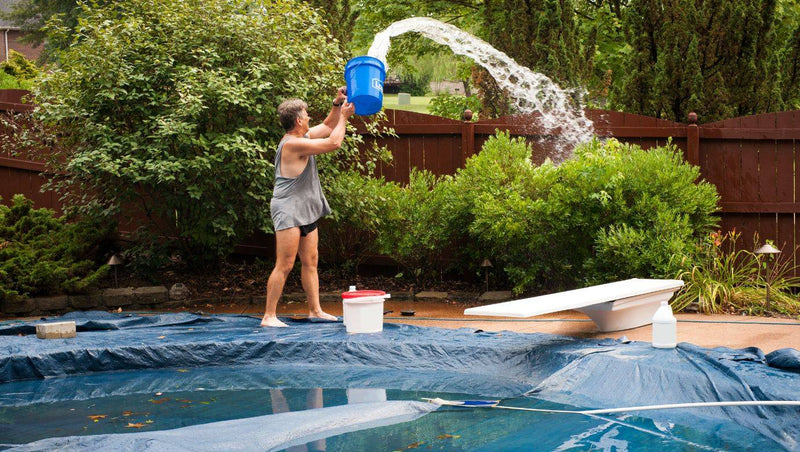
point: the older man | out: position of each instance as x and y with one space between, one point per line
298 201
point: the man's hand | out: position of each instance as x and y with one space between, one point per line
348 109
341 95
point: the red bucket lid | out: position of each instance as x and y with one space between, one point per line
363 293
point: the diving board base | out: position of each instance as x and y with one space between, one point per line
616 306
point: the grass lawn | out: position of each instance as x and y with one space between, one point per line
418 104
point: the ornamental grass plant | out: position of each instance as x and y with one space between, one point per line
728 279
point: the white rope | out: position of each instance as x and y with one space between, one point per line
489 404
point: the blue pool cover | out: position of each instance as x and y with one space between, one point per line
581 373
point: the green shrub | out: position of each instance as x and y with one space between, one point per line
166 110
41 254
413 230
19 67
611 212
11 82
358 204
451 106
502 170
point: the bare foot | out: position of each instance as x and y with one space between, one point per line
272 322
322 316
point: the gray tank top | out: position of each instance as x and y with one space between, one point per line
297 201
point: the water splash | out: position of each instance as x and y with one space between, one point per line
530 91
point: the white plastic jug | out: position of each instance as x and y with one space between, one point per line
665 327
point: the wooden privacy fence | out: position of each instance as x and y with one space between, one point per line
751 160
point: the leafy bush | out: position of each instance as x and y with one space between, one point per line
11 82
20 67
413 232
41 254
167 109
500 171
358 204
611 212
451 106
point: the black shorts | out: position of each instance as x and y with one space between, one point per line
307 229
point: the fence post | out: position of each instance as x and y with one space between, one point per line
693 140
467 137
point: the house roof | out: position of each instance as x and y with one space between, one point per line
5 6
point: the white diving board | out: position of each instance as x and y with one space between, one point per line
614 306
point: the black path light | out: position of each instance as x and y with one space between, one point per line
486 264
770 251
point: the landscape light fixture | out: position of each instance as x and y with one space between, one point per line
486 264
769 250
115 262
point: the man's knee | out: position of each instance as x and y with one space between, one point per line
309 259
284 266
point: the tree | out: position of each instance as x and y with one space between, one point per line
720 59
539 34
600 24
168 108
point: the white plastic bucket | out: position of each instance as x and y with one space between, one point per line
353 293
364 314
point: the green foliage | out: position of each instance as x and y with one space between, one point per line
413 230
168 109
42 255
725 279
453 106
341 16
500 171
720 59
358 204
10 82
605 49
416 84
542 35
612 212
20 67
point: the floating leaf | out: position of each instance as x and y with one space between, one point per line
415 445
97 417
183 370
136 425
127 413
448 436
161 337
159 401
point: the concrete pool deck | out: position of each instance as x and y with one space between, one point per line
709 331
732 331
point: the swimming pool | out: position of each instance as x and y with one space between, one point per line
222 383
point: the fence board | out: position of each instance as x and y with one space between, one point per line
785 171
785 237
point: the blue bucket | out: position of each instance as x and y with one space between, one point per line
365 76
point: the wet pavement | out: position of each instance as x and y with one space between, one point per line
731 331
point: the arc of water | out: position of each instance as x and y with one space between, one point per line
530 91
